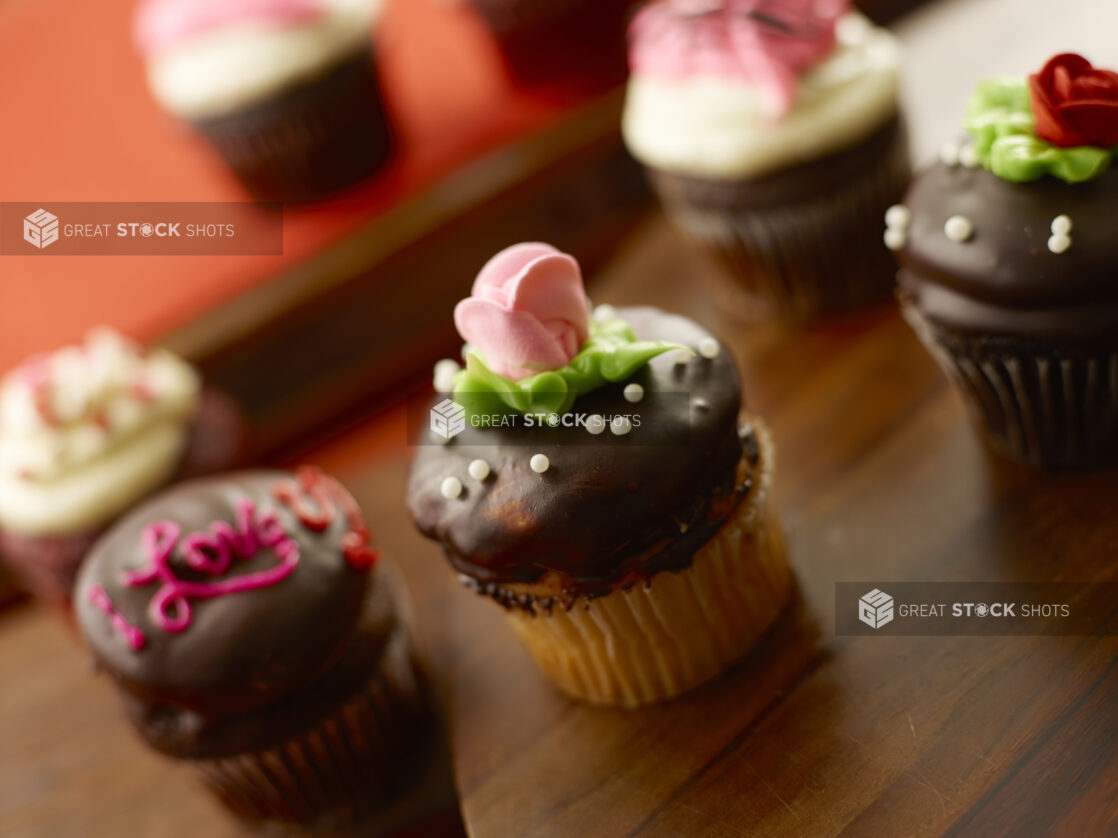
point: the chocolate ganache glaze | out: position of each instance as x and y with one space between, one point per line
279 614
1005 280
608 509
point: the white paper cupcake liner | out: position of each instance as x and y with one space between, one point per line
657 640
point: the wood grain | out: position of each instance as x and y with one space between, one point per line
879 477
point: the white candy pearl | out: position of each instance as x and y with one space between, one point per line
621 425
539 463
898 216
1059 243
595 424
708 348
949 153
478 469
445 370
633 393
1061 225
895 239
681 357
451 488
958 228
968 157
605 312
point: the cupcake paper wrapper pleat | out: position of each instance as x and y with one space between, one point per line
308 141
813 255
657 640
342 766
1040 403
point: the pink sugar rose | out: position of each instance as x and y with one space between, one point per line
527 312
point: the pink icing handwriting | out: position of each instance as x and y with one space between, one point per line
767 43
210 552
99 598
314 498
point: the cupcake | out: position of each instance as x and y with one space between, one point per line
86 432
285 90
772 134
1007 250
578 43
596 478
254 634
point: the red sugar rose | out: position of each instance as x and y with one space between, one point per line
1074 104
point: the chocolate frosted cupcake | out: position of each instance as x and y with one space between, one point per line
771 132
285 90
254 634
1007 249
88 431
595 477
569 42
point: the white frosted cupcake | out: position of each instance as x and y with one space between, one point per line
773 137
85 433
286 90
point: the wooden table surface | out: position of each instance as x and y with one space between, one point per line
879 477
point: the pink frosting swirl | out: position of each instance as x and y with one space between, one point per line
528 311
162 24
767 43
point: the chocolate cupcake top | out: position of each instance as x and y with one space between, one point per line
1012 232
225 595
88 430
738 89
625 479
208 57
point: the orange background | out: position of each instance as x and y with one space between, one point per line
77 124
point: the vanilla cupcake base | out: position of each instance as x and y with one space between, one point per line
659 639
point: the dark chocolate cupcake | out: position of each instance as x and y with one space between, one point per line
773 136
254 634
285 90
570 42
1007 249
88 431
596 479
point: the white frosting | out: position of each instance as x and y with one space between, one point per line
86 431
721 128
243 63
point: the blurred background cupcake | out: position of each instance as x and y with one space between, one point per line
1008 253
285 90
255 634
771 132
631 536
88 431
568 43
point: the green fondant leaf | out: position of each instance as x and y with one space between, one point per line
612 353
1000 119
